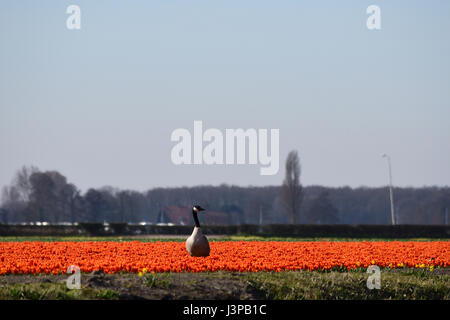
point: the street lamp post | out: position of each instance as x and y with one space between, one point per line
391 195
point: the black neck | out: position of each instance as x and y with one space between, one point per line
194 214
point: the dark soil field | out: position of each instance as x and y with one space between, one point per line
97 285
395 284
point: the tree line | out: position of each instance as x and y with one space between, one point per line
48 196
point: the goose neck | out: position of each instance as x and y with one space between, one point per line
197 223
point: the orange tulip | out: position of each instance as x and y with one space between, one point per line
254 256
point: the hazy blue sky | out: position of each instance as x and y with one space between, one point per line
99 104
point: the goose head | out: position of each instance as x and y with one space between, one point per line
197 208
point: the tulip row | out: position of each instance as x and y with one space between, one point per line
113 257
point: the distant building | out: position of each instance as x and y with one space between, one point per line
183 216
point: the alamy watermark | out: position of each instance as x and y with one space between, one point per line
374 280
374 20
74 280
73 22
241 146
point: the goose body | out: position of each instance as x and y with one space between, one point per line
197 244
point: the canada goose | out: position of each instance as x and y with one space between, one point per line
197 245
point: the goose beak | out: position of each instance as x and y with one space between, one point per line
199 208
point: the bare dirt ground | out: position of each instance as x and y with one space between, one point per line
211 286
397 284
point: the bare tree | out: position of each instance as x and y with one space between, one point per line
12 204
291 190
22 182
15 197
95 206
43 198
71 195
322 210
